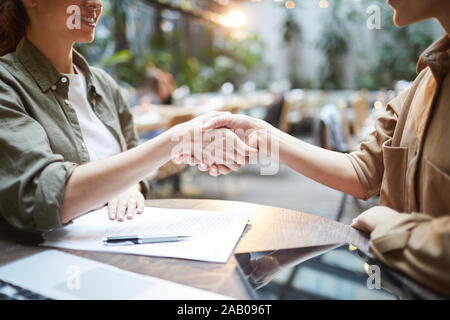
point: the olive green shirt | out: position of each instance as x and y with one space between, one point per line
40 137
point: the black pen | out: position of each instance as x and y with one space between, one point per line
131 240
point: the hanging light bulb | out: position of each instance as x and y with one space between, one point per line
234 19
290 4
323 4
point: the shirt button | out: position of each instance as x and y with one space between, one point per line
67 102
83 145
64 80
54 87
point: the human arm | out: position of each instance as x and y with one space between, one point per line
40 190
95 183
327 167
416 244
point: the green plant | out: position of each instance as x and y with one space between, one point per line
334 44
397 52
202 69
292 36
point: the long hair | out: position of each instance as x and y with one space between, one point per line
13 25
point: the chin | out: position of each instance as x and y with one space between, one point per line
86 39
400 21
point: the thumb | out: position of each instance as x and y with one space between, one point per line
253 140
244 149
217 122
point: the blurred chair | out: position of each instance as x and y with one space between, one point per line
343 107
284 120
329 133
361 108
277 114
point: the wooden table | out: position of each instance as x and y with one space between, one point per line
269 229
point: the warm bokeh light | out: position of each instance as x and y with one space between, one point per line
366 268
378 104
234 19
290 4
323 4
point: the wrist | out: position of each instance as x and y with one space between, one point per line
173 140
260 124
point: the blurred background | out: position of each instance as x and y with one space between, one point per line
321 70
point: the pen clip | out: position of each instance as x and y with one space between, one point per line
118 242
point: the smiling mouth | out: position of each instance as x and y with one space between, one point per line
88 20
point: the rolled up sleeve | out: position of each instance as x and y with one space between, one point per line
368 161
32 177
417 245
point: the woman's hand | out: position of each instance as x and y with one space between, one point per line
218 151
255 132
370 219
126 205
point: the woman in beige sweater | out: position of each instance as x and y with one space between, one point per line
406 160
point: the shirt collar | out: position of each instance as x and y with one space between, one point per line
43 72
436 56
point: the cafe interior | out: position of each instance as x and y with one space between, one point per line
319 70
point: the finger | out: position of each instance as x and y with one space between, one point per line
243 149
121 208
203 167
234 166
224 170
193 161
253 140
140 205
222 121
361 225
131 209
178 159
214 171
112 209
208 158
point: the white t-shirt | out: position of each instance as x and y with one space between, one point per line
100 141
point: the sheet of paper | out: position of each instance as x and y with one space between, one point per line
213 234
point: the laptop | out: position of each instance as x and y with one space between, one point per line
57 275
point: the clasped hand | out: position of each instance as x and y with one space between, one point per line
218 143
216 149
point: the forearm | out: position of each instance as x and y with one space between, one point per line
329 168
95 183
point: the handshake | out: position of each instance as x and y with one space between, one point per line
221 142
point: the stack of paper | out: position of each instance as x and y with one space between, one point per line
213 234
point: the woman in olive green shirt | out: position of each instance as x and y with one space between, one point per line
47 177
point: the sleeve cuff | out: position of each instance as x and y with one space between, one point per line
50 193
394 233
362 177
